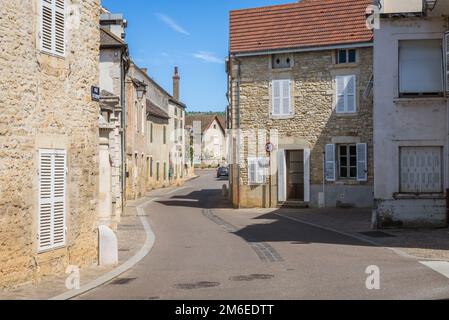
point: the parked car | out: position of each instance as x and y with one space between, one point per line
222 172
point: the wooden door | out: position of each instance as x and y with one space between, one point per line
295 175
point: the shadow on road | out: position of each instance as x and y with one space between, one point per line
205 199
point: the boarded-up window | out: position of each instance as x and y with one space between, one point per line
53 25
52 199
421 169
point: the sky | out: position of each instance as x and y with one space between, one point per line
191 34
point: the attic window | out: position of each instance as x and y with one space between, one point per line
346 56
281 61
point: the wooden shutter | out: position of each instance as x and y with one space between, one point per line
362 162
306 175
59 27
286 97
330 162
276 93
47 25
340 94
52 195
53 24
351 104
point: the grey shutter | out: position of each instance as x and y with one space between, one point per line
362 162
286 97
282 181
306 175
340 94
276 93
330 162
351 96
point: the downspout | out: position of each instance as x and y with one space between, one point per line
124 70
239 73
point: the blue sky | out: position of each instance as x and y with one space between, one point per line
192 34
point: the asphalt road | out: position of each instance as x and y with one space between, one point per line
205 250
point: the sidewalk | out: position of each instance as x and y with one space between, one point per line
420 243
131 238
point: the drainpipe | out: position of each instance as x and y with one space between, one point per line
238 127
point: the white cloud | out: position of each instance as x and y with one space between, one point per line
172 24
208 57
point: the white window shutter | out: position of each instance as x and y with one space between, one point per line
330 162
286 97
53 26
60 25
362 162
446 61
282 178
260 175
340 94
307 175
351 95
47 17
252 171
276 93
52 203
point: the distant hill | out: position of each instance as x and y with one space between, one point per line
207 113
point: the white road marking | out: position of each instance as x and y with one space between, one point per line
442 267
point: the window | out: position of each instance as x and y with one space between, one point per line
421 170
346 56
151 167
346 94
52 31
281 97
52 199
151 133
165 171
143 119
347 161
281 61
256 170
165 135
420 68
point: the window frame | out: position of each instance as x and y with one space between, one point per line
260 173
281 98
337 56
346 78
53 51
348 159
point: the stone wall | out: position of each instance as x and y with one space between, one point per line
314 123
46 103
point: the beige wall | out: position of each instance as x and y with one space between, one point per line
314 122
158 151
46 103
213 153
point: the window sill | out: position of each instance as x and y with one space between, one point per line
284 117
419 196
346 65
346 114
281 69
419 100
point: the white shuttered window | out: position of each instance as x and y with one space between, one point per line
346 94
281 97
53 25
421 169
256 170
52 199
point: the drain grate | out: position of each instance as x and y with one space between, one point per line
252 277
377 234
197 285
122 281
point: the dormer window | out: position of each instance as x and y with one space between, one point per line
346 56
281 61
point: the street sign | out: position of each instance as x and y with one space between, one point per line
95 93
269 147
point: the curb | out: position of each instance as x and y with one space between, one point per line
143 252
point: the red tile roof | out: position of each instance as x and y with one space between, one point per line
309 23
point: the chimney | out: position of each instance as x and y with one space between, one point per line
176 79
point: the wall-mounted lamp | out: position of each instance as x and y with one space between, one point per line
141 90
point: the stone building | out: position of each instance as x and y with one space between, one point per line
209 139
114 64
48 137
152 149
411 123
300 105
